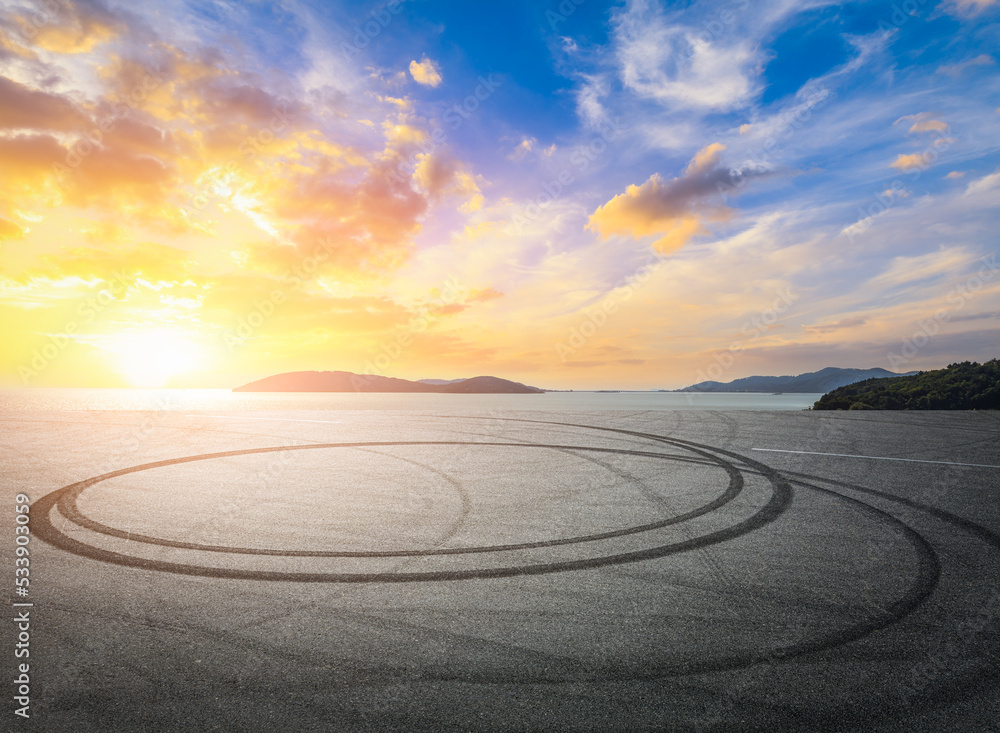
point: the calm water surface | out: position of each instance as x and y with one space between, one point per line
224 400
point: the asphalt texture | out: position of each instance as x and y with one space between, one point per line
514 571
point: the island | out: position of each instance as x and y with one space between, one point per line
963 386
812 382
350 382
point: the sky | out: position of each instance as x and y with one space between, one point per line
575 194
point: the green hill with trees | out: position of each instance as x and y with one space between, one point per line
965 386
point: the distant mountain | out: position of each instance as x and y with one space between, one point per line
823 381
351 382
439 382
487 385
965 386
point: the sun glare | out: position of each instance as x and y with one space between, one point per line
150 359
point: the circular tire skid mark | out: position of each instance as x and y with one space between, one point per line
926 572
65 500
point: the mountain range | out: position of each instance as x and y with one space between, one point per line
824 381
351 382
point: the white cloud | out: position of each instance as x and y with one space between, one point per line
588 100
906 270
678 65
956 69
983 185
971 7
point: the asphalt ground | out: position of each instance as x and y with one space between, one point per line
510 571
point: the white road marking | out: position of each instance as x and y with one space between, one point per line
281 419
874 458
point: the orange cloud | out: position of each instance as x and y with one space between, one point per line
148 260
9 230
439 175
69 27
483 294
24 108
28 158
296 309
158 132
425 72
908 162
831 327
11 49
929 126
675 210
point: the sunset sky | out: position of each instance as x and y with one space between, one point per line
574 195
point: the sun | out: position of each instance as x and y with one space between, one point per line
150 358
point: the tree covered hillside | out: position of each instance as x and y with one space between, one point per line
965 386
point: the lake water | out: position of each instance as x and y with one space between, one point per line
224 400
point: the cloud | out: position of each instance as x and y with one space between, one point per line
438 175
303 311
955 174
370 217
956 69
28 158
225 100
906 270
206 144
523 148
425 72
983 185
10 49
9 230
149 260
923 122
678 66
69 28
588 99
483 294
929 126
908 162
971 7
112 176
975 317
675 210
24 108
842 324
